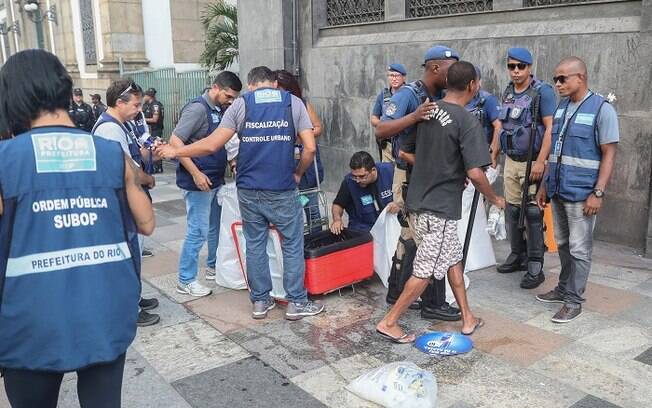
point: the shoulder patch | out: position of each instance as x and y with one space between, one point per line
390 109
267 96
63 153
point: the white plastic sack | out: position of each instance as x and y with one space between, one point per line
481 251
275 254
227 268
397 385
386 232
496 223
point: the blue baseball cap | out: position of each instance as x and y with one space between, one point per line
520 54
396 67
441 52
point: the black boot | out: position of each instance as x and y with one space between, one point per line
401 272
534 276
517 259
434 305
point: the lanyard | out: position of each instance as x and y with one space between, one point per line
559 144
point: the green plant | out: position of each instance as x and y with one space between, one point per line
220 21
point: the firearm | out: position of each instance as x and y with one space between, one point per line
525 196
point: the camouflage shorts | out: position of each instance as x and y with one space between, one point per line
439 246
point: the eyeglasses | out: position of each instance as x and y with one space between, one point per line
394 75
562 78
360 178
521 66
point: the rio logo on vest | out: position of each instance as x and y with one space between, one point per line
61 152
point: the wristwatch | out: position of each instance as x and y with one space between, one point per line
598 193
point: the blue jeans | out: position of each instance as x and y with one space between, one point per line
574 236
260 208
203 219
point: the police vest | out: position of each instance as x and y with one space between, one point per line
69 256
363 213
387 95
81 115
516 115
134 148
212 165
574 163
477 109
266 155
148 110
420 93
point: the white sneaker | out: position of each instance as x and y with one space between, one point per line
210 273
194 288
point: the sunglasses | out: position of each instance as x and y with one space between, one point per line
132 87
561 78
521 66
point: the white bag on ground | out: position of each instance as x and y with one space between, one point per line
397 385
227 268
386 232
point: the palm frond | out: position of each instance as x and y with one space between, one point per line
220 21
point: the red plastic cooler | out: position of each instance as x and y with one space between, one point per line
336 261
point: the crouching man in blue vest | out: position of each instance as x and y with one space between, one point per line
585 136
71 206
268 121
200 179
364 194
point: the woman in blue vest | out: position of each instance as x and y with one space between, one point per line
364 194
288 82
70 211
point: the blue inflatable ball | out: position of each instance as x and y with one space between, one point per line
443 343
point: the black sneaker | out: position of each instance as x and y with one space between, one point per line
531 282
147 319
566 314
550 297
147 253
445 312
148 304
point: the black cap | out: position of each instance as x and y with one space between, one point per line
77 91
150 92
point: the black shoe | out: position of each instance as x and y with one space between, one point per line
566 314
147 319
147 253
445 312
148 304
550 297
416 305
513 263
531 282
534 276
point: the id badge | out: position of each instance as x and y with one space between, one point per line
366 200
297 153
558 145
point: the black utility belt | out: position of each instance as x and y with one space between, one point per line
521 158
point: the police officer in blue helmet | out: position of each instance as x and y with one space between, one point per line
520 121
70 210
269 122
396 76
484 106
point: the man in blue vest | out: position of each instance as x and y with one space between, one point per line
364 194
518 116
413 103
70 207
585 136
201 178
484 106
268 122
396 75
124 100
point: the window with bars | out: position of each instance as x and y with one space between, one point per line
88 31
536 3
425 8
342 12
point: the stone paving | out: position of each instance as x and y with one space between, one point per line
208 352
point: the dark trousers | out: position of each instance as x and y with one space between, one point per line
98 386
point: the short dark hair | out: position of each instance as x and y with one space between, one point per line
228 80
122 89
31 81
260 74
288 82
362 159
460 75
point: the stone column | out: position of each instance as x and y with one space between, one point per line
122 35
645 53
